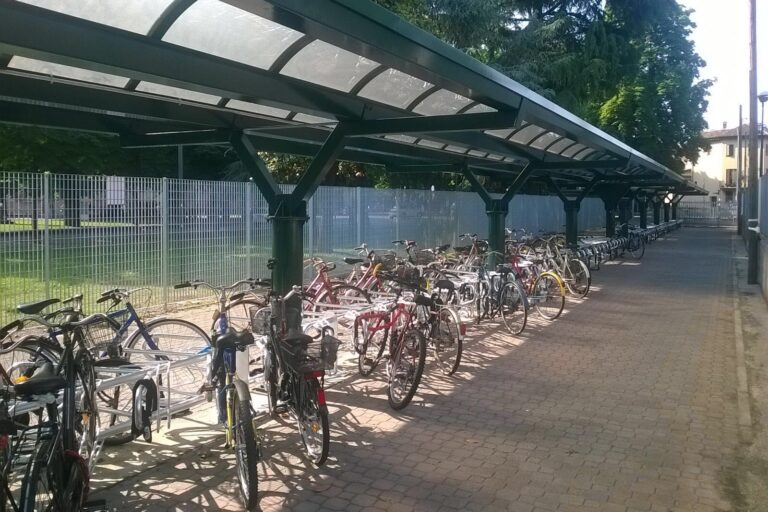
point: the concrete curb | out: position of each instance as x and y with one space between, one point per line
742 393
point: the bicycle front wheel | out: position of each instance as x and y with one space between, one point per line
549 295
38 492
513 307
313 421
406 367
370 343
578 277
446 341
247 453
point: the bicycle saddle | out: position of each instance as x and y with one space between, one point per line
234 340
43 381
443 248
504 269
36 307
353 261
298 339
444 284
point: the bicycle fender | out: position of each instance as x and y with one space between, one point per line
243 393
559 280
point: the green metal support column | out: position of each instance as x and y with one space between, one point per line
624 205
288 218
675 202
497 219
666 212
656 211
571 223
642 203
610 218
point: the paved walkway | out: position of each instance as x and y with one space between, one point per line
627 402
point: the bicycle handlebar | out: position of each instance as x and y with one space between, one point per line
5 331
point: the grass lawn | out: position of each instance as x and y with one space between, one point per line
22 224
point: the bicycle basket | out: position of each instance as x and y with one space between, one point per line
304 356
260 318
101 335
387 261
424 257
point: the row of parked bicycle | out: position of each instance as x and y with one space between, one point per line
71 382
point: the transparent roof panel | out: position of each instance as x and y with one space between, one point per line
560 145
220 29
568 153
135 16
49 68
456 149
441 102
401 138
479 109
306 118
431 144
175 92
394 88
493 156
502 134
328 65
257 109
526 135
479 154
584 154
545 140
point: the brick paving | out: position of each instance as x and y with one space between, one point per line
626 403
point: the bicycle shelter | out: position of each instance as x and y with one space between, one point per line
331 79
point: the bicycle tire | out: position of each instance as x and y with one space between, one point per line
372 347
554 289
513 306
270 378
446 342
313 417
173 335
247 453
636 247
239 314
580 279
36 487
119 398
414 343
338 294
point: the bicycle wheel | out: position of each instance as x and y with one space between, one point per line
446 341
172 335
405 368
482 300
635 247
38 492
578 278
312 421
514 310
371 345
549 294
247 453
270 378
341 295
115 403
239 313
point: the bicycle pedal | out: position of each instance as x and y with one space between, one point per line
280 409
95 506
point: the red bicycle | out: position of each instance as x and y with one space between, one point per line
324 291
392 328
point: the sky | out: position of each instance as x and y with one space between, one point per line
722 40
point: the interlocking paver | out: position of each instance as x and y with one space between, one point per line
627 402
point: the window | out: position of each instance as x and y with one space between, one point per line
730 177
730 150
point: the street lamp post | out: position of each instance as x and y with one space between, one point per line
763 97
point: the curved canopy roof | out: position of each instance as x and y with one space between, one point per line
286 72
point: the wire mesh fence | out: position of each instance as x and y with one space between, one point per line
67 234
707 211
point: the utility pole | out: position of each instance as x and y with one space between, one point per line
752 206
739 173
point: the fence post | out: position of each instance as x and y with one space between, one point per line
359 211
47 232
249 227
311 225
164 256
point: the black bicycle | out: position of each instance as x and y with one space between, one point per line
54 447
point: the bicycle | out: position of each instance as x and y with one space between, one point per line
294 371
499 293
544 290
440 323
573 271
62 446
374 331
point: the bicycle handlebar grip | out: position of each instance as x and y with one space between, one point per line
109 292
185 284
104 298
398 242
